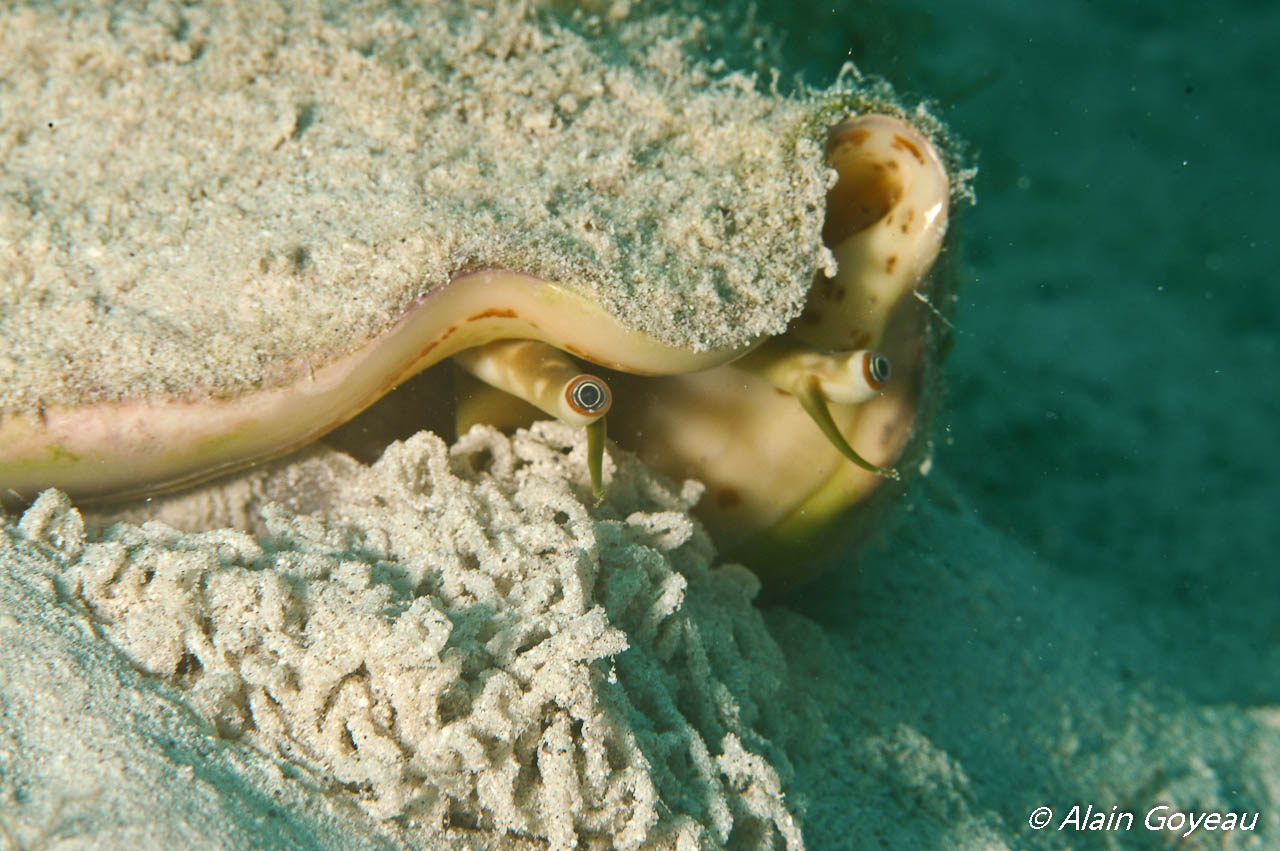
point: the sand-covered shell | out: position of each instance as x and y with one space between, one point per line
206 203
222 236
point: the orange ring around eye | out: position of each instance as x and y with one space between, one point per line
876 370
589 396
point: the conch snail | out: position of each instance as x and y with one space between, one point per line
786 432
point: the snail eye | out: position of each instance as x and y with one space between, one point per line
588 395
875 368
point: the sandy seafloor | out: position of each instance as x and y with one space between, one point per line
1079 605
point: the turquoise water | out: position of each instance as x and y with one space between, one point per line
1110 419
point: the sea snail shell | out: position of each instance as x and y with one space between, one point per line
728 416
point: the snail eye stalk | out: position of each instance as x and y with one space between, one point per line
819 378
815 405
550 380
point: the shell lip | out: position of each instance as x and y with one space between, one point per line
113 449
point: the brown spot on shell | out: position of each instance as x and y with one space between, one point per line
856 138
903 143
494 312
890 263
728 498
866 191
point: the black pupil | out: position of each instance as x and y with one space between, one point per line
588 395
879 368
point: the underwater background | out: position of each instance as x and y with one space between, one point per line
1080 605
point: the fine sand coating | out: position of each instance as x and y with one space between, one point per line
444 643
196 198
